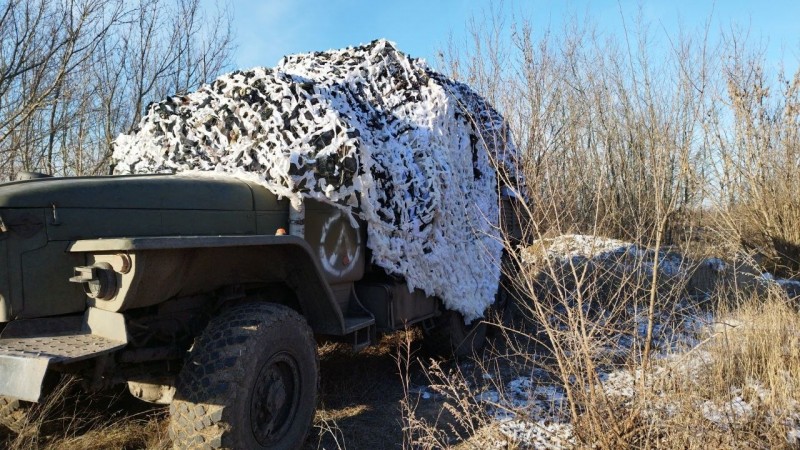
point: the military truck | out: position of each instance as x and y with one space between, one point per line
207 294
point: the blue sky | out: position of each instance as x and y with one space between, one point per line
269 29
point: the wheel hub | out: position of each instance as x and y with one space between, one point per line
276 393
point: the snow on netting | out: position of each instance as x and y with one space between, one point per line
367 129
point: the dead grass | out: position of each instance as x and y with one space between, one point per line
128 434
359 407
732 385
71 419
735 389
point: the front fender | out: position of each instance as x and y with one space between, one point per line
151 270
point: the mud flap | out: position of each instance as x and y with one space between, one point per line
28 347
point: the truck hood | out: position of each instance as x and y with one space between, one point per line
137 192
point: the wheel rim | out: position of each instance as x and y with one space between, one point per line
276 394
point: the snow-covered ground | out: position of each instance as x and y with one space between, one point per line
531 414
571 245
533 411
626 256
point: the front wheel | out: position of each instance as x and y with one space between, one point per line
12 413
249 382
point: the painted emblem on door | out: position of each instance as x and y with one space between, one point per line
340 245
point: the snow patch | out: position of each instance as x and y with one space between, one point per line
626 257
571 245
539 434
722 415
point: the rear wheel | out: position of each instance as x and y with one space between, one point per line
250 382
14 414
450 336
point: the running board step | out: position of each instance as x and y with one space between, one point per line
359 323
364 334
29 347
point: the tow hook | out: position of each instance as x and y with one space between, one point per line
99 281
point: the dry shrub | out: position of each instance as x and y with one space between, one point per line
760 161
77 74
68 418
148 434
606 129
644 132
729 383
679 147
759 344
734 390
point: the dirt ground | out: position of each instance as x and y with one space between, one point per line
360 394
358 407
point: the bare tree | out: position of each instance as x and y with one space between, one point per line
600 115
41 44
76 73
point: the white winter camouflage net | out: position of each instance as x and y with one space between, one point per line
367 129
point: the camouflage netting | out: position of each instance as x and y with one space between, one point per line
368 129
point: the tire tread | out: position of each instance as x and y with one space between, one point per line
12 414
198 419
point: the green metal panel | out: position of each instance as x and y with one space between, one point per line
26 232
264 200
338 246
129 192
79 223
183 242
208 222
268 222
166 212
45 282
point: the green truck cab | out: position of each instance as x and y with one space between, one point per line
205 293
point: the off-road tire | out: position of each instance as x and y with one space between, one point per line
250 382
451 337
12 413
